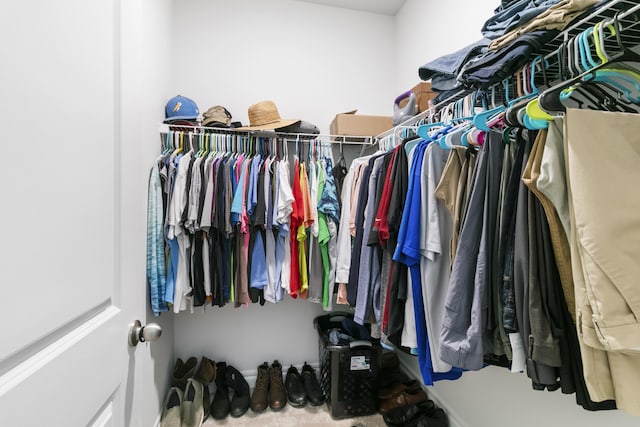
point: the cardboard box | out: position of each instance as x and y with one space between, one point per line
424 94
350 123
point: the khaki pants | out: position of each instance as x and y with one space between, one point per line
603 170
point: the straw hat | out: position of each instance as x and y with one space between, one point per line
265 115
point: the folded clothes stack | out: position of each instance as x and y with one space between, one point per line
511 37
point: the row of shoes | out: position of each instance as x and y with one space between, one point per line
298 388
188 402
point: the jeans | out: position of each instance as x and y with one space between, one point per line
442 71
514 15
495 66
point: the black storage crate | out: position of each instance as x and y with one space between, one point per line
348 372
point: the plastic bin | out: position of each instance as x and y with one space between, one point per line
348 372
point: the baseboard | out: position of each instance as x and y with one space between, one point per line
409 365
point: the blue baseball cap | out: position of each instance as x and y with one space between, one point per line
180 108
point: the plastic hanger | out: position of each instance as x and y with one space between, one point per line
550 100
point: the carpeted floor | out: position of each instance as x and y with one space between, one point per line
309 416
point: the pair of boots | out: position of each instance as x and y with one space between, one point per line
222 404
269 389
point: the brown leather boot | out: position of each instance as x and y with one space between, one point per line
260 396
277 391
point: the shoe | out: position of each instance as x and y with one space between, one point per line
182 372
220 405
295 388
192 413
241 392
277 391
403 399
171 408
436 419
315 396
206 372
409 415
260 396
397 388
206 401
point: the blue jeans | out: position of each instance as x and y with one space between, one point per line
514 15
443 71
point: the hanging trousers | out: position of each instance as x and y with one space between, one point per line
603 170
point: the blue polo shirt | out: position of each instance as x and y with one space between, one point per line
408 252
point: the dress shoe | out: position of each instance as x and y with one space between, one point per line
295 388
182 372
277 391
260 396
192 413
241 392
220 405
409 415
315 396
171 408
405 398
397 388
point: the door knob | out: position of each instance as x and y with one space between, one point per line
139 333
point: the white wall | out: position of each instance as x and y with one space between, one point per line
426 30
313 61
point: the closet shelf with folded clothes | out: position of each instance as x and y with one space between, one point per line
530 45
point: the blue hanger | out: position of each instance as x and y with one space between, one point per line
423 130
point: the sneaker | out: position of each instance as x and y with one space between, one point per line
315 396
295 388
192 413
171 408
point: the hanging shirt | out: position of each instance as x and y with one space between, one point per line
297 219
155 243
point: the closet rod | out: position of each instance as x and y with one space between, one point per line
339 139
426 113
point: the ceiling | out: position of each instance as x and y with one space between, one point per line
383 7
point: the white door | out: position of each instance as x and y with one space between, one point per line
66 293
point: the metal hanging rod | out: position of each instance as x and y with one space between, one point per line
338 139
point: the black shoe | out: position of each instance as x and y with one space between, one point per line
241 392
295 388
220 405
410 415
312 386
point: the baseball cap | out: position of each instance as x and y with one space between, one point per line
216 116
180 108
